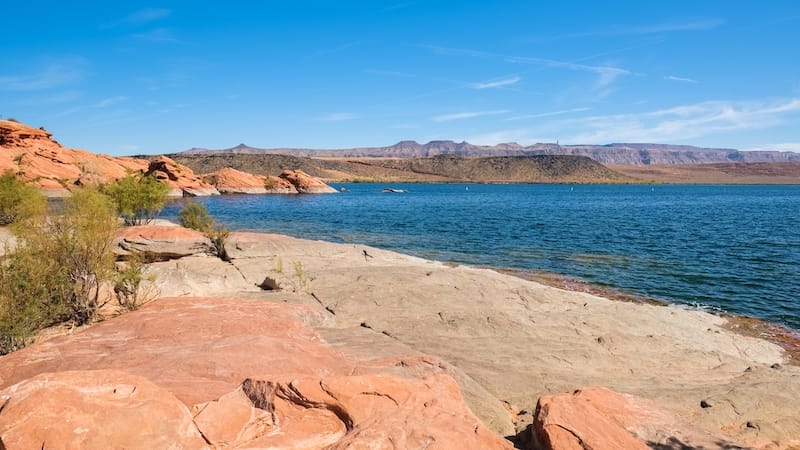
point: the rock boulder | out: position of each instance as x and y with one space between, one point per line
305 183
94 409
232 181
251 373
598 418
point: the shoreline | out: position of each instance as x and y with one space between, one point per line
505 340
786 337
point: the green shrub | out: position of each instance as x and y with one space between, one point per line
56 272
18 200
195 216
128 288
33 293
138 198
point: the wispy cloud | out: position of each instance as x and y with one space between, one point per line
339 117
498 137
496 83
467 115
669 125
638 30
780 147
548 114
668 27
681 79
50 75
606 74
681 122
162 35
106 102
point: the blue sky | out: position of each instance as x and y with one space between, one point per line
129 77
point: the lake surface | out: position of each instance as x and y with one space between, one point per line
732 248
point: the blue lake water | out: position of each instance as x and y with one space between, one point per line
733 248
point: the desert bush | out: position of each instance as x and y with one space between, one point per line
79 239
18 200
33 295
270 183
56 272
195 216
128 287
138 198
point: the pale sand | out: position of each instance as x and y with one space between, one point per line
511 340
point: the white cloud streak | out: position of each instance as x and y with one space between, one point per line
496 83
106 102
680 79
548 114
52 75
606 74
780 147
681 122
638 30
467 115
669 125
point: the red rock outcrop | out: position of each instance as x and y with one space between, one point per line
598 418
160 242
305 183
181 179
35 157
232 181
251 373
94 409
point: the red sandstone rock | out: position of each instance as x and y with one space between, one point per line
181 179
598 418
35 157
160 242
278 185
253 374
232 181
94 409
305 183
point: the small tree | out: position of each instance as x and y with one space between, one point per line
195 216
18 200
78 244
138 198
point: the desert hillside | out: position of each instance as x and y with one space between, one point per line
443 168
628 154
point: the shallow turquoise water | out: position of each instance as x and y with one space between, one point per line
735 248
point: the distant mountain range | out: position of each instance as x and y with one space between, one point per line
627 154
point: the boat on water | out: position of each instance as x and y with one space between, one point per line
393 190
